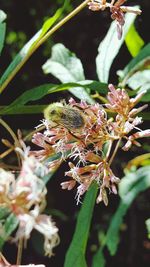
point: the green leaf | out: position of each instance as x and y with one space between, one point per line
3 16
2 29
99 259
4 212
133 41
141 80
109 47
29 45
76 252
8 227
18 106
130 186
148 227
50 22
140 62
66 67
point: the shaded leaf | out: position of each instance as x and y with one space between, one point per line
76 252
17 106
8 227
4 212
133 41
109 47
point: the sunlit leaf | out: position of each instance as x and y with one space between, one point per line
109 47
50 21
66 67
141 80
140 62
140 160
133 41
2 29
3 16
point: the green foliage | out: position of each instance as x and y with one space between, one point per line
130 186
2 29
109 48
137 63
133 41
148 227
136 73
29 46
34 94
76 252
7 228
66 67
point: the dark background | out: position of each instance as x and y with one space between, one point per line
81 35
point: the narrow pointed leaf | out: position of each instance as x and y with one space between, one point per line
76 252
2 29
133 41
29 45
38 92
109 47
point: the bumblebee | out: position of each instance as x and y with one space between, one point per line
70 118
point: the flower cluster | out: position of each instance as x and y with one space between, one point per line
24 196
79 132
116 9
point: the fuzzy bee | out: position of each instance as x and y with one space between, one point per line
70 118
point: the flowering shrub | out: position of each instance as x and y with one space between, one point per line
86 132
80 133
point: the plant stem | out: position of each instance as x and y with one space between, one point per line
16 142
6 126
19 253
6 153
115 151
41 41
109 149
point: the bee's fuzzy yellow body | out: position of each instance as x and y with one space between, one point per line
70 118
